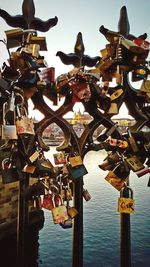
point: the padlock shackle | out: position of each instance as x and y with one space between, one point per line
129 189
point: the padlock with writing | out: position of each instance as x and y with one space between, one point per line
59 213
24 124
126 203
134 163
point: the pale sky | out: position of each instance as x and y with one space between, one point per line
79 16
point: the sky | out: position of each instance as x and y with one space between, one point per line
79 16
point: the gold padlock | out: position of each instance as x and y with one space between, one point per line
116 94
34 156
134 163
75 161
126 204
72 212
113 109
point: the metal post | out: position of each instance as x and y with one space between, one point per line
22 221
20 226
125 241
125 246
77 257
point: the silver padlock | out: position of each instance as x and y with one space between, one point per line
8 131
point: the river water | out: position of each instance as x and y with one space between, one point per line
101 224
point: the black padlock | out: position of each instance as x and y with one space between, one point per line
10 174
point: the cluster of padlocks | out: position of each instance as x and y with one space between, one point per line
19 140
28 76
131 153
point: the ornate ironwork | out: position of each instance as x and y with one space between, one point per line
123 54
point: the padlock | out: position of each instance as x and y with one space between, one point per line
40 40
104 53
126 204
29 168
10 109
68 192
72 212
117 143
8 131
59 158
139 73
24 124
115 181
14 37
122 170
113 108
134 163
59 213
116 94
43 166
32 49
47 202
48 75
132 143
86 194
10 174
66 224
76 172
108 133
34 156
75 161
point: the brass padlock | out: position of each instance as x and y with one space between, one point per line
132 142
34 156
32 49
72 212
134 163
116 94
75 161
126 204
113 109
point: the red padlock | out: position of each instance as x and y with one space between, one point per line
48 75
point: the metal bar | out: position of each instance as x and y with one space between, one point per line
77 257
20 225
125 241
125 244
22 221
